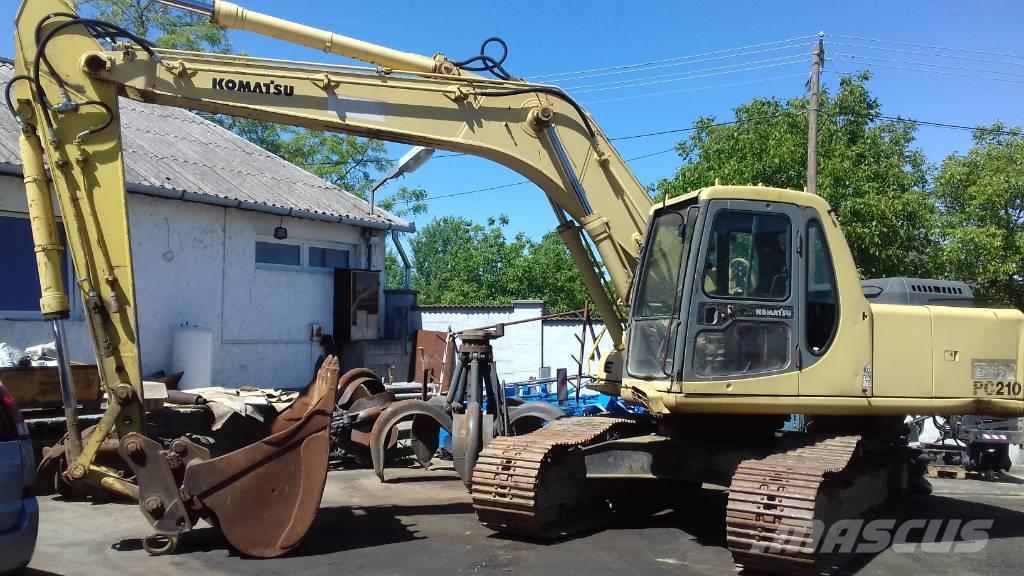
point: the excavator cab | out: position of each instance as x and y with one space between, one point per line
738 292
718 293
753 291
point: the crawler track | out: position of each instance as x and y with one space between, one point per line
773 502
531 486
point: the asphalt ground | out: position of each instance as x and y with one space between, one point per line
422 523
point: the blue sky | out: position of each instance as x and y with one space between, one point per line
981 80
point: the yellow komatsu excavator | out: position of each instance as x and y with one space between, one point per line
744 303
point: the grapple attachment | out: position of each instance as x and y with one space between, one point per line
263 497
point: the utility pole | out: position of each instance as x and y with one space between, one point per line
814 84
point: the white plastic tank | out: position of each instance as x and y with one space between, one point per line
193 355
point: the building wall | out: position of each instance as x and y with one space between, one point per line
195 267
526 348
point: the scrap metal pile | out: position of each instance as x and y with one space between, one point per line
364 425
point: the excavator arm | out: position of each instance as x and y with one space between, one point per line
65 95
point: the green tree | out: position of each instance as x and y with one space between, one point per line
981 195
460 262
164 26
869 170
394 270
551 275
457 261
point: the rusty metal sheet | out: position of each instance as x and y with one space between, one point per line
428 419
265 496
429 355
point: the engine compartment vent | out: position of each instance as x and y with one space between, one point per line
918 291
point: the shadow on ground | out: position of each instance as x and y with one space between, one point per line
36 572
362 527
702 516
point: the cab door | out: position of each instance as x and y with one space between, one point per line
743 328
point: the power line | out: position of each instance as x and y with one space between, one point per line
714 125
954 126
928 64
929 46
659 152
638 84
922 53
728 123
488 189
683 63
688 75
852 58
641 157
695 89
674 59
375 161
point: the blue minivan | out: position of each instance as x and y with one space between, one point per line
19 510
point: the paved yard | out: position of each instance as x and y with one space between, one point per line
421 523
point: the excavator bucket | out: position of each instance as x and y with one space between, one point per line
265 496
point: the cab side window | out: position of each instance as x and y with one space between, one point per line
822 313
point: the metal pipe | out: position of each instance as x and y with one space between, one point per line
583 349
559 213
500 405
595 225
460 386
560 315
570 235
568 171
373 191
474 418
231 15
406 264
453 387
204 8
67 390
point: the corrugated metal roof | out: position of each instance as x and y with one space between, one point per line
173 152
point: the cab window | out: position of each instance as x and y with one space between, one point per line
656 305
748 257
822 313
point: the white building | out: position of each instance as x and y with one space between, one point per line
203 205
529 349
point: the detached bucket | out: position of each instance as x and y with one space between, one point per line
263 497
